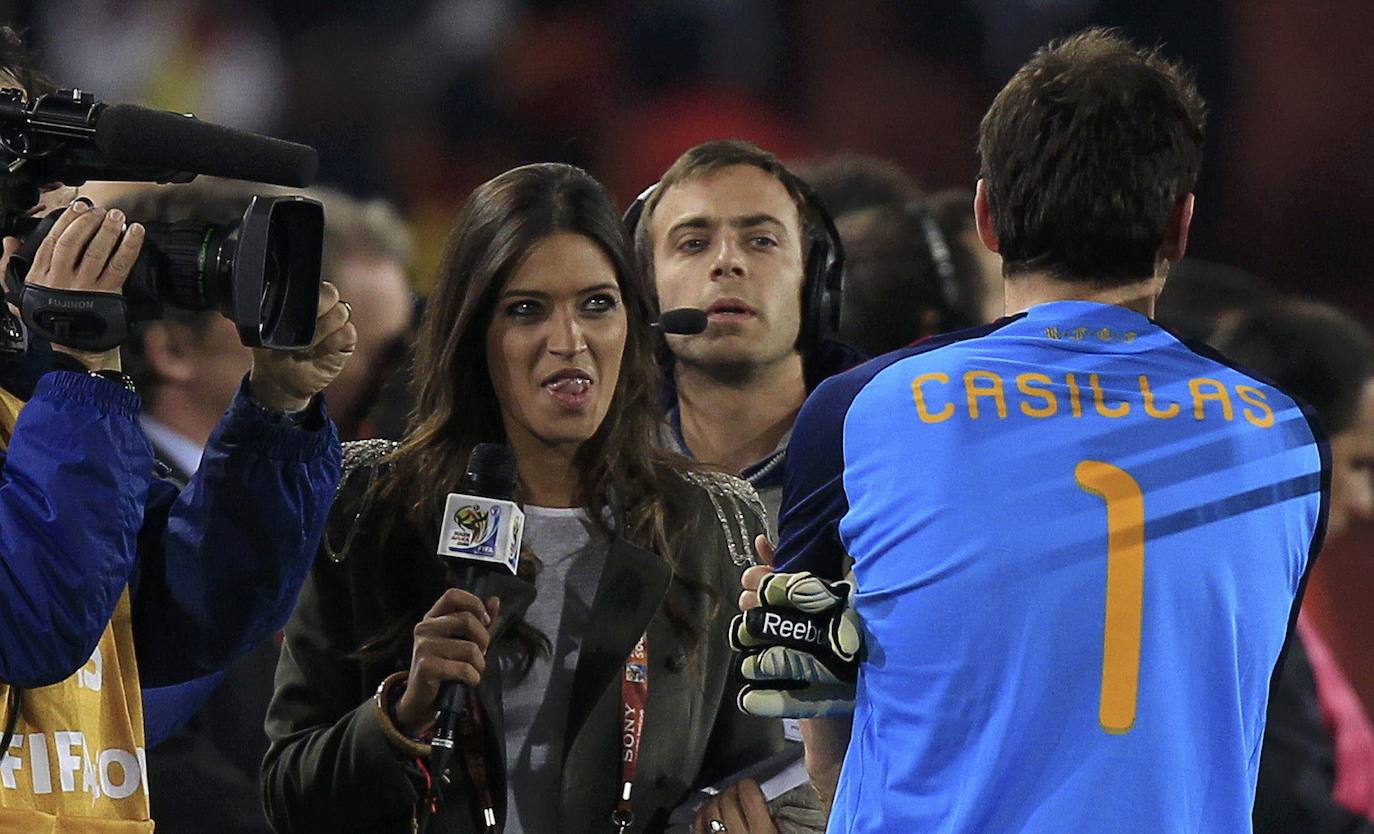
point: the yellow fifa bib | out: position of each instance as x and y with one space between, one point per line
76 763
9 415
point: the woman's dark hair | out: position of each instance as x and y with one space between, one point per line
18 63
1312 351
455 403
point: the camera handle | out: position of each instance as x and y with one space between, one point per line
78 319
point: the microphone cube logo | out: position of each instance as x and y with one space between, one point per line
482 530
475 527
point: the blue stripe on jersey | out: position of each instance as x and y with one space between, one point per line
1323 442
983 484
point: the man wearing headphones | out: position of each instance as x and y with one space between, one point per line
729 230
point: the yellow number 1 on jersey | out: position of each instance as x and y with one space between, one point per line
1125 589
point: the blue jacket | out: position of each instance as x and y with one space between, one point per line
213 568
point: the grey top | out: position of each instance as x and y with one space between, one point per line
572 553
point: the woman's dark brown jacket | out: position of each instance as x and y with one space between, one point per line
331 767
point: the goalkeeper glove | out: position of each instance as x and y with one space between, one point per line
798 651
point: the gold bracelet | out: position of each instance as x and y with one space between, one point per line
382 703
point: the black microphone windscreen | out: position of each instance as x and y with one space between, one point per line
684 321
125 133
491 472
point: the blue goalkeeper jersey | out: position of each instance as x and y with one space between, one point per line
1079 547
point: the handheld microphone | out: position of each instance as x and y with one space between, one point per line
684 321
481 533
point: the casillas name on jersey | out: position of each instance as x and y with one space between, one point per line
1078 545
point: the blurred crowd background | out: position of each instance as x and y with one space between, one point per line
417 101
420 100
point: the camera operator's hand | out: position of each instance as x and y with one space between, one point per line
90 250
286 380
450 645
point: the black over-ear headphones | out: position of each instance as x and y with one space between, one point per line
941 255
823 279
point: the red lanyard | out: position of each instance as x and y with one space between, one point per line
473 742
634 697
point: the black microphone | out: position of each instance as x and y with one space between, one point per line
132 135
684 321
481 533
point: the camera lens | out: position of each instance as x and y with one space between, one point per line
274 283
262 272
183 265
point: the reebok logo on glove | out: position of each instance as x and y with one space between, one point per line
789 630
798 650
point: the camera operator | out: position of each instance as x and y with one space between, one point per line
115 579
187 366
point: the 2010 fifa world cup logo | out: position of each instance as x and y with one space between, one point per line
476 524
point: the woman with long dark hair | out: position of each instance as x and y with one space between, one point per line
537 336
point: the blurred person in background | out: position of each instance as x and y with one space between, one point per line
121 578
367 254
909 272
977 269
537 335
849 184
1204 299
729 230
1316 770
189 364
